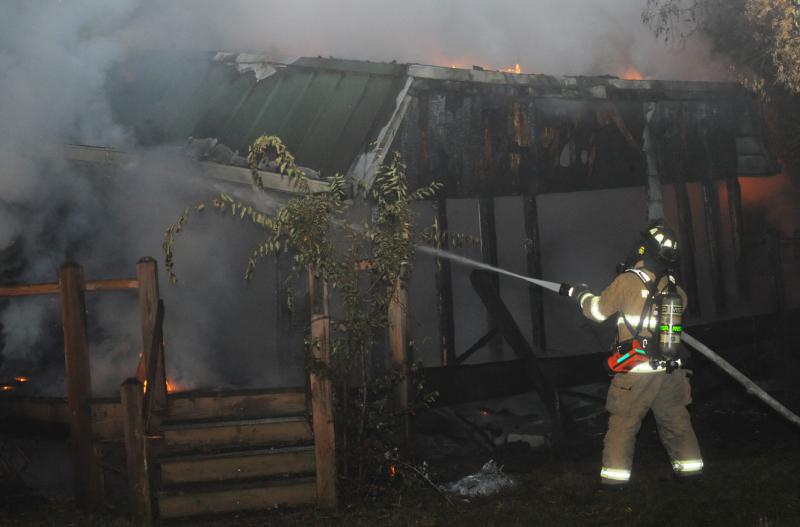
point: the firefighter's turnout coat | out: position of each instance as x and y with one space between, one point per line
631 395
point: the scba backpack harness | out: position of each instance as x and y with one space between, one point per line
639 350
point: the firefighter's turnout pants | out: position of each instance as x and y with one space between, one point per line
630 396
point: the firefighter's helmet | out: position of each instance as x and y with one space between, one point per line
662 244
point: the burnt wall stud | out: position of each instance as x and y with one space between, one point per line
686 228
486 221
711 215
444 287
737 234
534 267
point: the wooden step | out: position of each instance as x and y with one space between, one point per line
217 499
240 404
242 464
204 435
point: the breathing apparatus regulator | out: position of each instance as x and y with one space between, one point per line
659 250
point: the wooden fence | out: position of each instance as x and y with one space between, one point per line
71 288
143 397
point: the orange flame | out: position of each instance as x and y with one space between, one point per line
21 378
776 197
172 386
6 388
392 471
516 69
632 74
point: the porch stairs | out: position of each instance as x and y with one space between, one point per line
233 452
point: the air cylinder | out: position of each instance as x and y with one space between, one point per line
670 319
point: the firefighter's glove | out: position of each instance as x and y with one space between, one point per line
577 292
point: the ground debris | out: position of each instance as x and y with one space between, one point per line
489 480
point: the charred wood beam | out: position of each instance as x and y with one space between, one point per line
534 268
480 343
513 335
777 271
711 216
486 220
444 287
476 382
737 233
686 227
655 200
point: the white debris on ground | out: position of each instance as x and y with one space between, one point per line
489 480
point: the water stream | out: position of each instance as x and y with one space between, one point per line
551 286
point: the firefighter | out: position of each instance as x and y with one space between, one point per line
646 377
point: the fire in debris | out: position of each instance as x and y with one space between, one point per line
632 74
172 386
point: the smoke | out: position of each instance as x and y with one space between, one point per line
575 37
54 60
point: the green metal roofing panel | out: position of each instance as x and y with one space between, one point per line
331 122
326 111
232 96
370 114
306 110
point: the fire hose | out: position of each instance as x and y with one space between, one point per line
556 287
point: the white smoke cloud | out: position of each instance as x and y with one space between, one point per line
575 37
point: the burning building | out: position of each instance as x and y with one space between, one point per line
555 176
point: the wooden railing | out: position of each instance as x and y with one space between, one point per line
142 401
155 399
144 396
70 288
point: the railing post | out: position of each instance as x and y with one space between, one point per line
322 392
132 396
85 459
398 345
147 274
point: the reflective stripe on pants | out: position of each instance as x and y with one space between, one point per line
630 397
687 467
615 475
